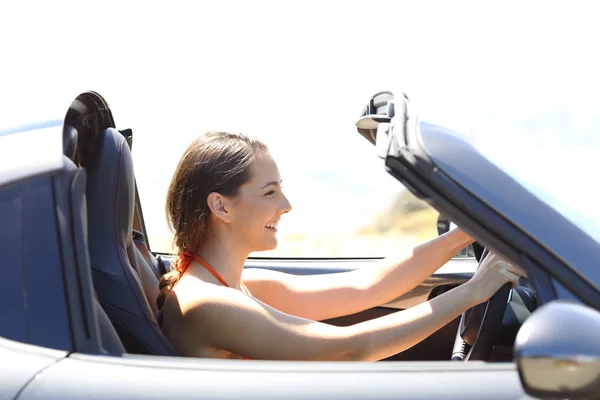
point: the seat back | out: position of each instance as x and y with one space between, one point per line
107 336
126 285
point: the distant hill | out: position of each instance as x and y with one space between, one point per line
405 214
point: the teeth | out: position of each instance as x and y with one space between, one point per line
271 225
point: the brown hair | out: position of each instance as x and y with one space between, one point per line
215 162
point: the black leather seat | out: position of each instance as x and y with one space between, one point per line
109 340
126 285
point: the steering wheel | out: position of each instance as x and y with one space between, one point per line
480 324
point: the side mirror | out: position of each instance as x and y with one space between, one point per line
557 351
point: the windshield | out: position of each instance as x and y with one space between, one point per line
521 82
546 137
563 178
551 148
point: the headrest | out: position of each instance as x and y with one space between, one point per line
70 137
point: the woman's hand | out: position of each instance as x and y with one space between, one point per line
491 275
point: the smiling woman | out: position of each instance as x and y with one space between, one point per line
219 180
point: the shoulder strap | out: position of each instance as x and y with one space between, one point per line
210 269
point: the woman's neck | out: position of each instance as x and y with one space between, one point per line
226 260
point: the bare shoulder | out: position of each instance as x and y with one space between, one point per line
198 303
191 307
193 312
190 295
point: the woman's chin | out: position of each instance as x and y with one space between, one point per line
270 244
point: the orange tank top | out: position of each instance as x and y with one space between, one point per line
185 259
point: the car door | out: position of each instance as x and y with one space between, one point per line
147 377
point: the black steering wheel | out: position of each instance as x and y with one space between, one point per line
480 324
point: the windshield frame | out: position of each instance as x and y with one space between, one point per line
446 169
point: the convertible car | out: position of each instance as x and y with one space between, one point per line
78 315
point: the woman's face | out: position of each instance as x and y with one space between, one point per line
259 206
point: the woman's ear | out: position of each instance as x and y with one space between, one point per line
219 205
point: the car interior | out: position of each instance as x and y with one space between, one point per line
112 293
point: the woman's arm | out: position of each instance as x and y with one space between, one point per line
248 327
320 297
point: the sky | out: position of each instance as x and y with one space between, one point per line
519 78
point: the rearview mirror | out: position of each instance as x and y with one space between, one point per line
557 351
443 224
379 110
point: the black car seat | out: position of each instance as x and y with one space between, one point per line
126 284
108 338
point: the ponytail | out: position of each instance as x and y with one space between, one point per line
166 284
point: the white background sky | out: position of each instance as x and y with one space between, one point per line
523 76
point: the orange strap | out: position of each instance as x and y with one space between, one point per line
211 270
185 259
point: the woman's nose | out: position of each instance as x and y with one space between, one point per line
286 206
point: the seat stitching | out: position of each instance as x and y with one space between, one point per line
120 308
134 335
106 273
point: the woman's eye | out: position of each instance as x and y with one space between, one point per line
270 192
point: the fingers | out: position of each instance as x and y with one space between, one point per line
515 269
513 273
511 277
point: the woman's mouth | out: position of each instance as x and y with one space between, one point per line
271 225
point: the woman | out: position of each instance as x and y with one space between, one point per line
224 202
